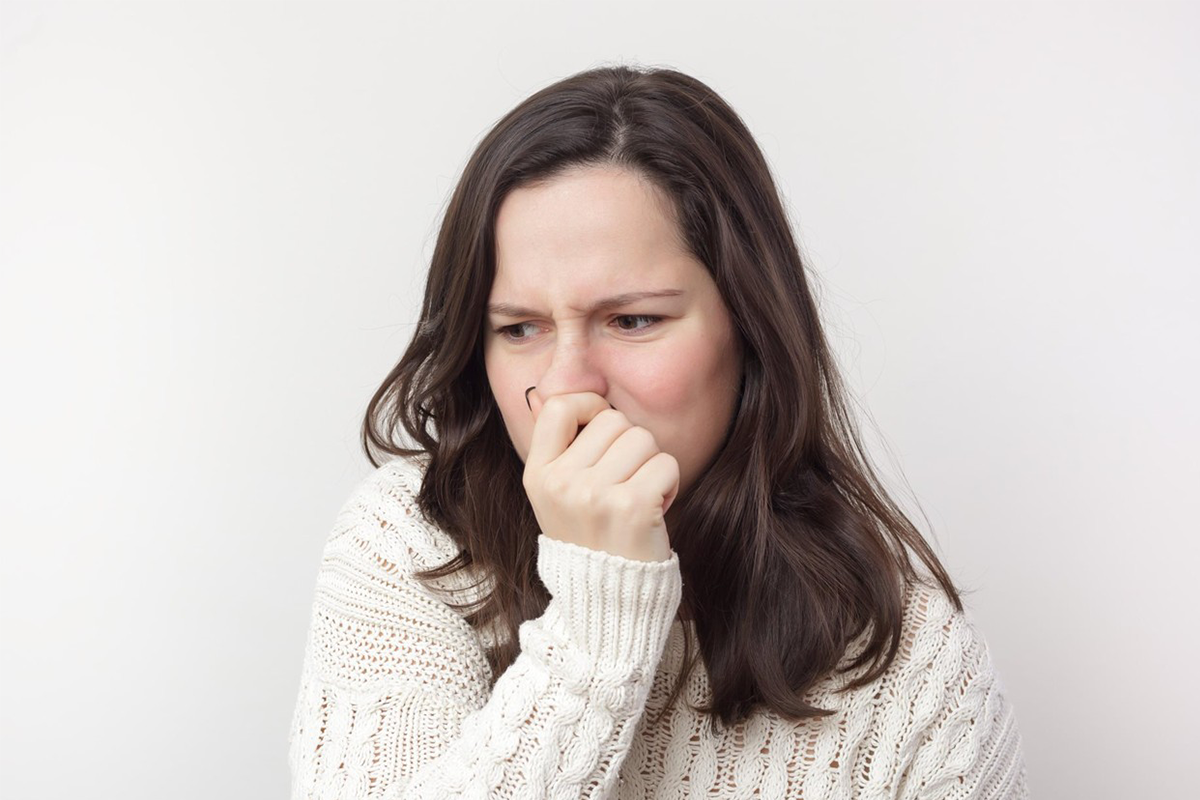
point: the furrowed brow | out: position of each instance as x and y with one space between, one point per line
616 301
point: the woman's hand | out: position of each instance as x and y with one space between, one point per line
605 486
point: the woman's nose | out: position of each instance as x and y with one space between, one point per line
572 368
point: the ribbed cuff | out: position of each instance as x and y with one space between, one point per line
619 610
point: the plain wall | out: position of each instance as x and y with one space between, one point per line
215 225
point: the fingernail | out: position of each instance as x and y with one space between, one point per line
527 391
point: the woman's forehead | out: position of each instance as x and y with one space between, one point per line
584 211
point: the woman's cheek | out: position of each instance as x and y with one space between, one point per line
659 390
509 398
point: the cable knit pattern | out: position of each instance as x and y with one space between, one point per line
393 699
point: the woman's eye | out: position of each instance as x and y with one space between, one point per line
505 331
512 332
653 321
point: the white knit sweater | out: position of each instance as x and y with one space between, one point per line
393 699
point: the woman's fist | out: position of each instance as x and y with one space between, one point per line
596 480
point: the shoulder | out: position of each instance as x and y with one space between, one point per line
941 639
945 693
941 650
381 517
372 619
944 683
938 714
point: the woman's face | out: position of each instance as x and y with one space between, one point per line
671 364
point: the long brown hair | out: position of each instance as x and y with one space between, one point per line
792 546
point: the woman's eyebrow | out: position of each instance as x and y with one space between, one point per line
616 301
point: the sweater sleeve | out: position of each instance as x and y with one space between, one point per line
959 736
394 700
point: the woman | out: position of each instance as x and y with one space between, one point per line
631 434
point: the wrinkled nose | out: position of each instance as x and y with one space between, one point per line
572 368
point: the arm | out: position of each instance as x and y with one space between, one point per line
394 701
961 737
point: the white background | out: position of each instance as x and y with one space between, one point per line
215 225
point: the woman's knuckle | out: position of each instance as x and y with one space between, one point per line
671 463
611 416
623 502
646 437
